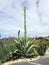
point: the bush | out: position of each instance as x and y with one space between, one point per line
6 52
47 43
41 47
0 62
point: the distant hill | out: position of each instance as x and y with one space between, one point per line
10 39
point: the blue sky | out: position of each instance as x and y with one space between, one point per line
12 17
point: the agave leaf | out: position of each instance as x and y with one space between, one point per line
31 48
28 44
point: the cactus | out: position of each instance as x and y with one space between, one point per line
25 24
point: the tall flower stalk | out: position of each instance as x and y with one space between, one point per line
18 33
24 24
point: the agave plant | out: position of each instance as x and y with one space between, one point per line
26 49
42 47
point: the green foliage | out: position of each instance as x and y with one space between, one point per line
41 47
48 43
3 53
26 49
18 49
6 51
0 62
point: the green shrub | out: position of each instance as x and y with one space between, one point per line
41 47
6 52
26 49
47 43
0 62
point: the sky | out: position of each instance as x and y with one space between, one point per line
12 17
